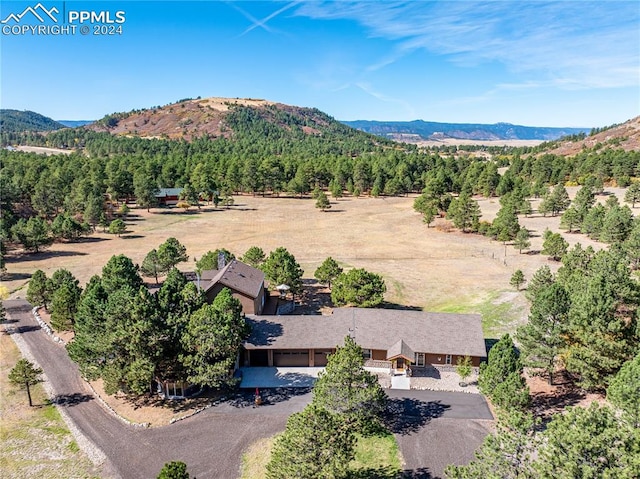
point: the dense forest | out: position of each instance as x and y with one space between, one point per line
19 121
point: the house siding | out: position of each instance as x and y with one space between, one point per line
249 305
440 359
379 355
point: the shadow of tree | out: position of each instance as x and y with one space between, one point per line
314 297
71 399
386 472
408 415
270 396
420 473
25 329
265 333
42 255
16 276
403 307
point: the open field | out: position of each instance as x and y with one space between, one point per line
35 440
423 267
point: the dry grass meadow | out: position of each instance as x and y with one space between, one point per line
35 440
432 268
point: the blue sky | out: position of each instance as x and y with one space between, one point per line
559 63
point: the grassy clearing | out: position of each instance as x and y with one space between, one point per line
501 311
377 457
255 460
35 440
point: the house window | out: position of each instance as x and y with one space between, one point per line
366 354
419 359
447 360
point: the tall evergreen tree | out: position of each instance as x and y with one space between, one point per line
542 338
624 391
464 212
315 444
170 253
212 340
24 375
281 267
38 289
345 388
328 271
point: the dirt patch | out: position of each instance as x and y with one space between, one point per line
549 399
151 408
43 150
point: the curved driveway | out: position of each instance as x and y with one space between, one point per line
212 442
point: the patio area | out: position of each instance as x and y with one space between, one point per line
279 377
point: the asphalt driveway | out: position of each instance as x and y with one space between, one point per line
433 428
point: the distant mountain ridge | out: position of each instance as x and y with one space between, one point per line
75 123
419 130
19 121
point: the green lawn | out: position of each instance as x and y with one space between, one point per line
498 317
377 457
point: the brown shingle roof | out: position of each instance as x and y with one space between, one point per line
440 333
236 276
400 349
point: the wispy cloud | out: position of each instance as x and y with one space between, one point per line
572 44
263 22
370 90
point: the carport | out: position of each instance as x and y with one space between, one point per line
279 377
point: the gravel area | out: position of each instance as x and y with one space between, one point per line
447 381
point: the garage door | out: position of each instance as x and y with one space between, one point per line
291 357
320 357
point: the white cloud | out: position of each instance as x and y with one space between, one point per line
572 44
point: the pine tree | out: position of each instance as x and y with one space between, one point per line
517 279
632 195
281 267
358 287
624 391
345 388
174 470
328 271
315 444
151 266
212 341
38 291
464 212
254 256
117 227
542 339
554 246
24 375
522 240
170 253
322 202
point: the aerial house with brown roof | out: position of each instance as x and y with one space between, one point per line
389 338
245 282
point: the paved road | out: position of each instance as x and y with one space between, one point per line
432 427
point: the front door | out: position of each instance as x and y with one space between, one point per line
400 364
